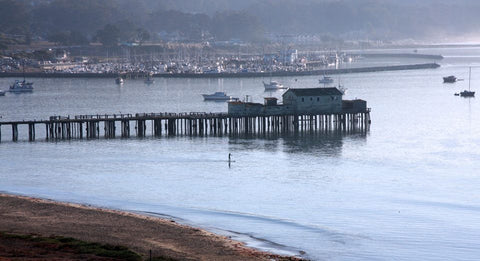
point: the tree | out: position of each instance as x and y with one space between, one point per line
109 35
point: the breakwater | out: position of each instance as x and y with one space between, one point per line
402 55
228 75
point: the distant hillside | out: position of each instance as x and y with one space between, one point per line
248 20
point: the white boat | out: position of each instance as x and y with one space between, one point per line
2 93
21 86
119 80
326 80
273 85
217 96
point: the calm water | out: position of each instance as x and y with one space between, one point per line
406 190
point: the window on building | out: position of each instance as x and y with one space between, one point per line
303 99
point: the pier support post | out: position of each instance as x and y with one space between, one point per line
31 131
14 132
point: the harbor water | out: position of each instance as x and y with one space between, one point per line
405 190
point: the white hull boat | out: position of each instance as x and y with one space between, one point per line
119 80
273 85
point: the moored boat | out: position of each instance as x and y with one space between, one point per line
449 79
2 93
21 86
149 80
119 80
217 96
273 85
468 93
326 80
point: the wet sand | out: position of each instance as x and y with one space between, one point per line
166 238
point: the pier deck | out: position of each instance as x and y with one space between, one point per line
192 123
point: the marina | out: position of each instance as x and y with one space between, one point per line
279 73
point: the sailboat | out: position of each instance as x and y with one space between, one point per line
468 93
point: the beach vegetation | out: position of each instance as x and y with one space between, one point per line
68 244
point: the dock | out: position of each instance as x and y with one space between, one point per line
189 124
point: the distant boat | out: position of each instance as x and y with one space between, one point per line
149 80
449 79
468 93
119 80
2 93
21 86
273 85
217 96
326 80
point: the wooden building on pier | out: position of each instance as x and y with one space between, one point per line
307 101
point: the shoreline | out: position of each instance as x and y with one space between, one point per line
140 233
227 75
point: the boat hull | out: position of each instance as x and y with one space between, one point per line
208 98
467 94
16 90
325 81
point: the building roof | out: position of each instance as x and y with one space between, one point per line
315 91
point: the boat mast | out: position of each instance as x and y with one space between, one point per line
23 71
469 77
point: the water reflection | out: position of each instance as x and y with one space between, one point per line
321 143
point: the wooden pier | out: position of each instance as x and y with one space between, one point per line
191 124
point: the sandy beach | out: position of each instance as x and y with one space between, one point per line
165 238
